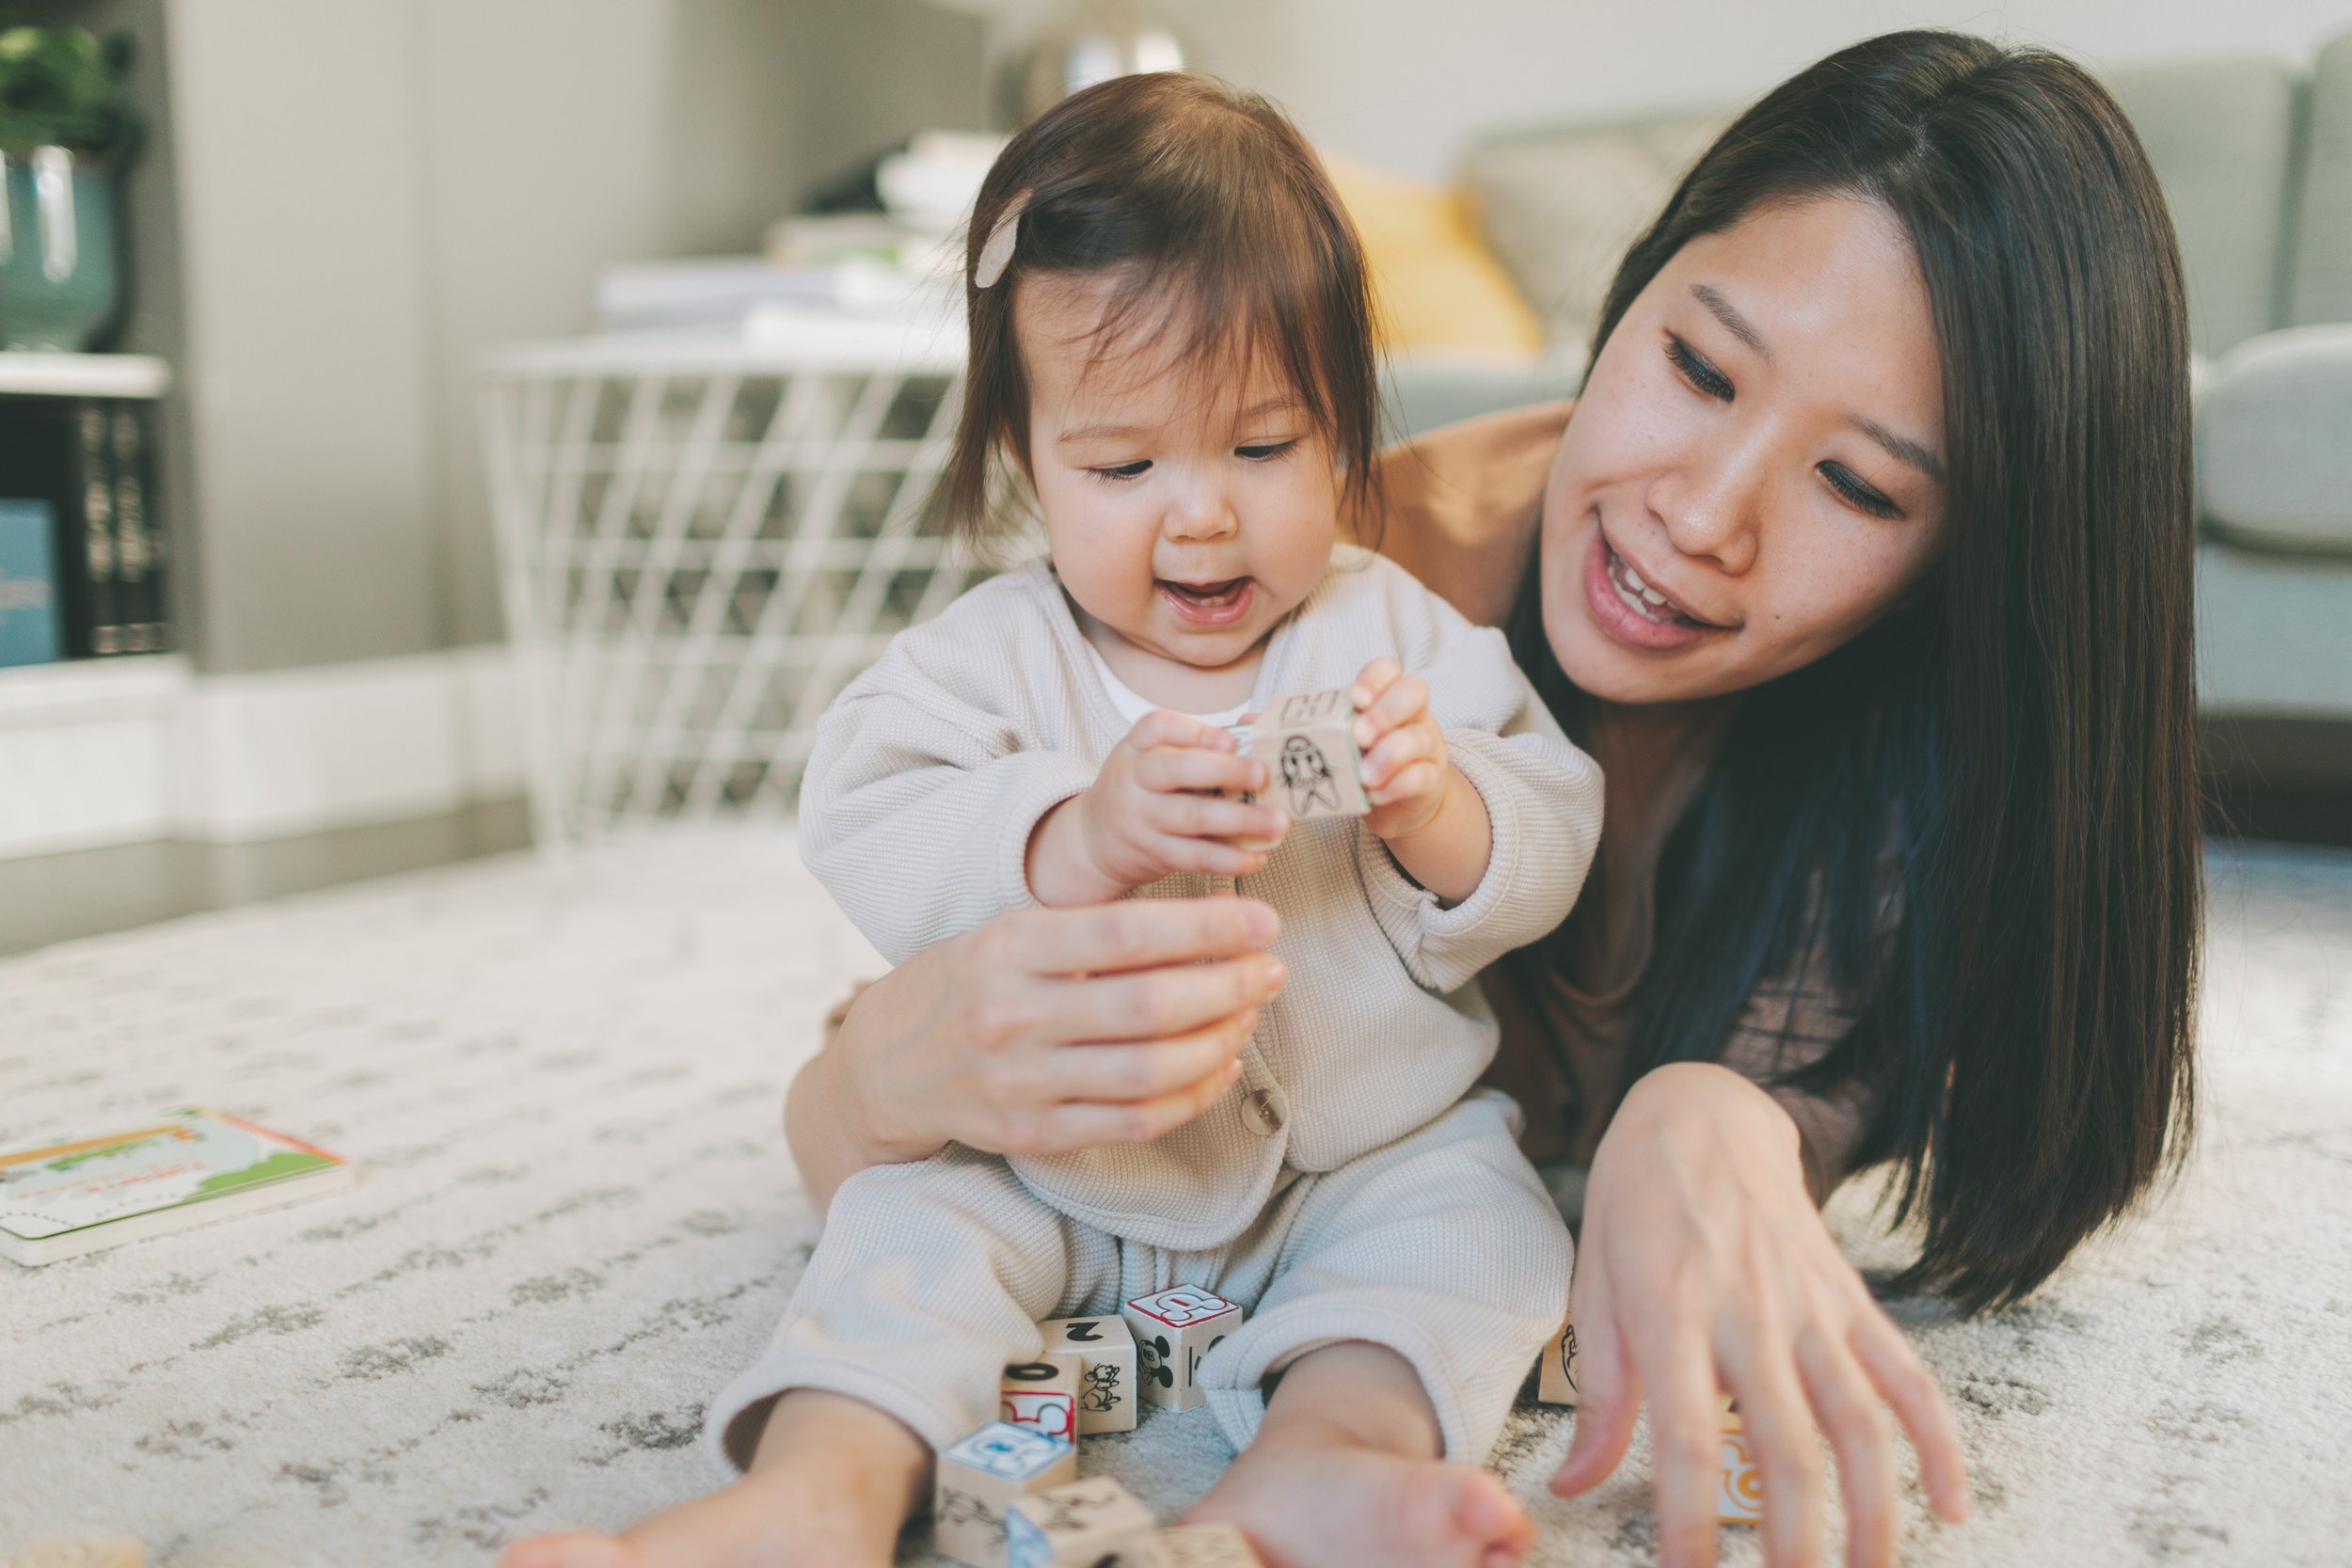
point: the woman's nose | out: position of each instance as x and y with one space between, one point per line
1707 504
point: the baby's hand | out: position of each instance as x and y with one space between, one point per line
1407 770
1153 810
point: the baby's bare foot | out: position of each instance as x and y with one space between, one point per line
1347 1507
759 1522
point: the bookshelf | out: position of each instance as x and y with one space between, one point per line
25 374
78 433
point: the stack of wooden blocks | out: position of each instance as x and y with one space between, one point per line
1010 1495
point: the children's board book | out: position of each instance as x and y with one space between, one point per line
189 1169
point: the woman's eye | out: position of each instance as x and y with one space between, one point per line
1873 502
1264 450
1697 371
1124 470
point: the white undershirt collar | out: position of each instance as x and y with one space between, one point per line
1131 705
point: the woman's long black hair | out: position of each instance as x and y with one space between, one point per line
1984 810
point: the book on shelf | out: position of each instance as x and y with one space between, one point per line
92 460
32 631
190 1168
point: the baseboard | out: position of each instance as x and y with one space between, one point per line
147 751
52 898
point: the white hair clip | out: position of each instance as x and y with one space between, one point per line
996 254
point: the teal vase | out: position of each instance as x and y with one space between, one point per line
58 282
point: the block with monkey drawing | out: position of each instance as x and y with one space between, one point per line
1175 1329
1308 744
1105 1348
1041 1396
1080 1524
978 1478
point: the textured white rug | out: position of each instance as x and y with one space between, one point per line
578 1218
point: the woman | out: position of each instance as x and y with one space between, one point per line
1863 568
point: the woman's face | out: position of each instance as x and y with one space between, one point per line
1755 471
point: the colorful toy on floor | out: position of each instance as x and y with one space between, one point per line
1175 1329
1008 1496
1076 1525
980 1477
1105 1348
1041 1396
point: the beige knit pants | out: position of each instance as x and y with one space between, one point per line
930 1278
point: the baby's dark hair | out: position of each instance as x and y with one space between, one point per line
1224 228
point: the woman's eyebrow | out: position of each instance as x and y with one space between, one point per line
1733 323
1901 447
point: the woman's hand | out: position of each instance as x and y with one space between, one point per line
1153 810
1703 1263
1042 1031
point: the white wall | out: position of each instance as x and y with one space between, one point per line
373 193
1403 84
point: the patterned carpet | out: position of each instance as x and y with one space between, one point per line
578 1218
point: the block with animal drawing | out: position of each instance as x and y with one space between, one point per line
1308 744
1105 1348
1174 1330
1080 1524
980 1478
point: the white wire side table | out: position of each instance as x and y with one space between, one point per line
701 541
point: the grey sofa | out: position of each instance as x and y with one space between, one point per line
2256 161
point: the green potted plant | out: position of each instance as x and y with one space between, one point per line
67 131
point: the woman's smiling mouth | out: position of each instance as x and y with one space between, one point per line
1630 610
1208 604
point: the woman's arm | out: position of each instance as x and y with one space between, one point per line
1040 1032
1703 1263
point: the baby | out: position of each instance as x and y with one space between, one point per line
1171 352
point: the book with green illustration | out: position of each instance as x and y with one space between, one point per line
190 1168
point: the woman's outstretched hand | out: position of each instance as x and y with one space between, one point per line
1042 1031
1703 1263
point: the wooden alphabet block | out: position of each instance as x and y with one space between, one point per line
83 1551
1041 1396
1190 1547
1556 1382
1175 1329
1074 1526
1105 1348
1739 1487
978 1478
1307 744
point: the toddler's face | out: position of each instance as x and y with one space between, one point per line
1188 512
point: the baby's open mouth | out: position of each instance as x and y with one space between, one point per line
1207 593
1207 604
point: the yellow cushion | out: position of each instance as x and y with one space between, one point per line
1437 288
